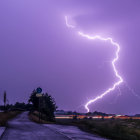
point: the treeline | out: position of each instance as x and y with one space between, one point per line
17 106
95 113
44 104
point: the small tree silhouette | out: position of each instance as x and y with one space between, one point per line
46 104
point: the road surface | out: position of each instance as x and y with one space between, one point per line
21 128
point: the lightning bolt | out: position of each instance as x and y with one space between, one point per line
132 90
67 24
113 62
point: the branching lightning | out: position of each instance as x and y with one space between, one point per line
120 79
68 25
132 90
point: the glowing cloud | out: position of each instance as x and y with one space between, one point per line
120 80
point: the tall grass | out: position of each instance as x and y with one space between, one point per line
5 116
113 129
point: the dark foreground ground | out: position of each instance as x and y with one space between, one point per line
5 116
21 128
112 129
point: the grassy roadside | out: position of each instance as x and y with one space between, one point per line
113 129
34 117
5 116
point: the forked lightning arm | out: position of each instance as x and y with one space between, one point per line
120 80
68 25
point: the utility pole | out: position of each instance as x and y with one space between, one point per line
4 100
39 95
39 109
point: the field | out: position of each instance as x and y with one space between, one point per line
113 129
116 129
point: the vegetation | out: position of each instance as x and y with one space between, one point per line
17 106
44 104
34 116
11 111
5 116
113 129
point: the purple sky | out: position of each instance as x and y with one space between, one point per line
37 49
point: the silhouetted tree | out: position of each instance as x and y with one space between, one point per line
20 106
34 100
17 106
47 104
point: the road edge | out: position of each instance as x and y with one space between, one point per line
2 131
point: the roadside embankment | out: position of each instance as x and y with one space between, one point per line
4 118
34 116
112 129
